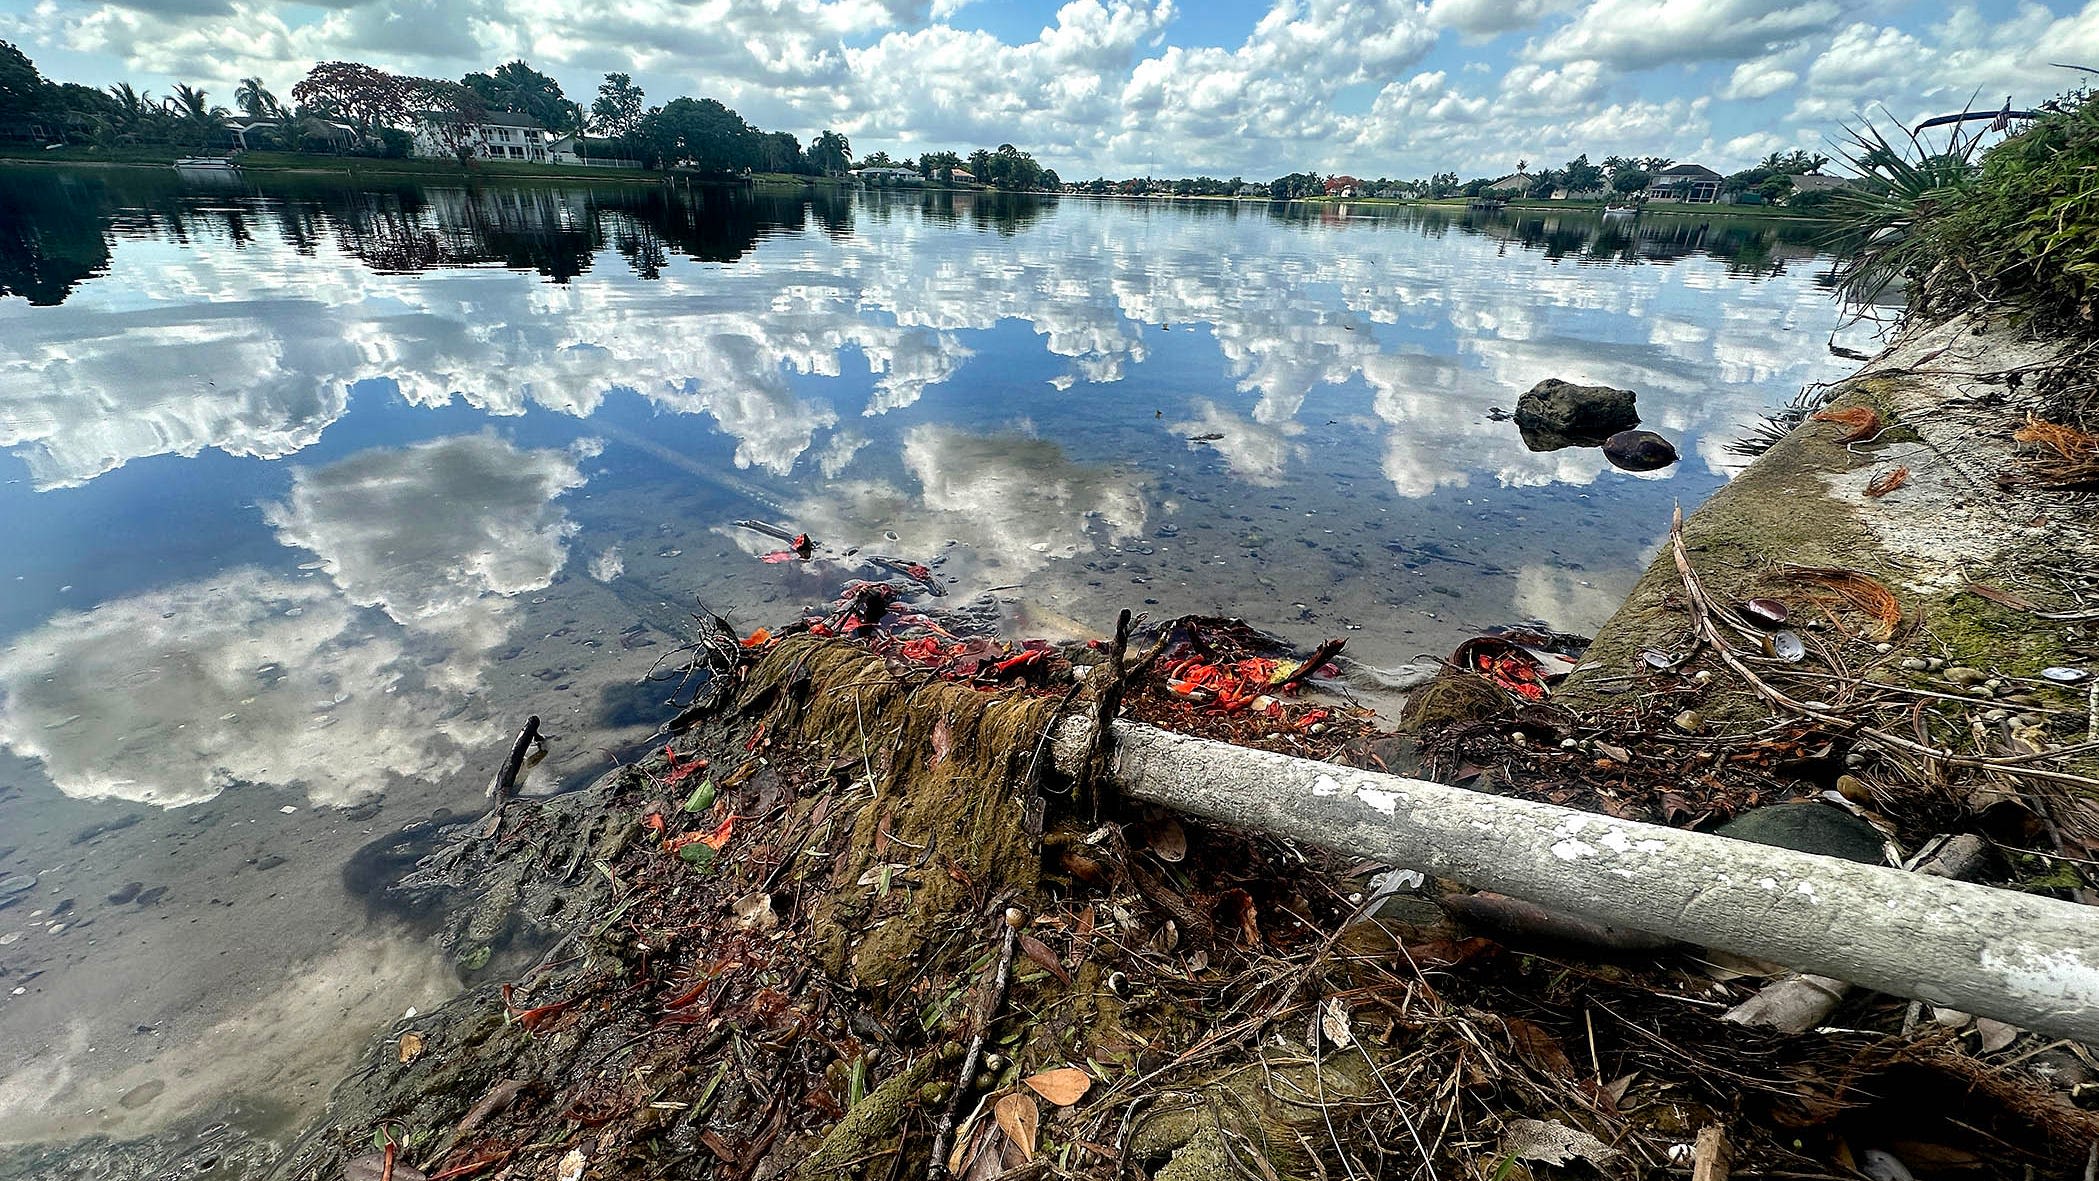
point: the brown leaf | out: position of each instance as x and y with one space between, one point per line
1063 1086
943 741
1168 840
1019 1117
1538 1048
1887 482
1864 421
1040 952
499 1097
411 1046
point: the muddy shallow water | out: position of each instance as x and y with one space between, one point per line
311 493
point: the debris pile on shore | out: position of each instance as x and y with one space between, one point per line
849 921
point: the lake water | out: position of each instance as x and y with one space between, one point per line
311 492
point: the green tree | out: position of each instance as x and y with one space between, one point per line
255 100
1443 184
516 86
617 110
452 111
21 86
877 159
1582 176
830 152
701 133
939 166
1654 164
782 152
1629 179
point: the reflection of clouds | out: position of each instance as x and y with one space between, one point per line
119 388
1015 503
1289 310
172 696
436 535
1255 452
1566 600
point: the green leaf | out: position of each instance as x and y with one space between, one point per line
698 856
702 797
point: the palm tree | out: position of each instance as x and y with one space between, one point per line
192 106
133 105
256 101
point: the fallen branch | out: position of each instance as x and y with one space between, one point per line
994 1000
1798 1002
2023 959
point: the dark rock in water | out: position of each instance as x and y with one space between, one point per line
126 892
1809 828
1582 414
149 897
1639 451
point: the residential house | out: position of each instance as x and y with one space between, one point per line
1815 182
498 135
887 178
1253 190
963 176
1343 186
1515 184
1694 183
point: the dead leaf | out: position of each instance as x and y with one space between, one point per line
499 1097
1887 482
943 741
1539 1049
1553 1143
754 912
571 1167
1062 1087
1168 840
1333 1022
1616 754
411 1046
1019 1118
1864 421
1040 952
1996 1035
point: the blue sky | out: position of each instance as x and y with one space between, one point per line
1251 88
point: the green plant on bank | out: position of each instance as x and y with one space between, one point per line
2017 224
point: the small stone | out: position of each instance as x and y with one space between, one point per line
1568 744
1518 737
1996 715
1915 664
1993 684
1639 451
1964 676
1883 648
1934 663
1702 676
1690 721
1852 788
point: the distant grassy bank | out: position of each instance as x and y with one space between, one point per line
376 167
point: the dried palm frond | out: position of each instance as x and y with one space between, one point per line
1862 591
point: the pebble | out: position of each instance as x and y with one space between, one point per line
1996 715
1690 721
1568 744
1934 663
1883 648
1915 664
1964 676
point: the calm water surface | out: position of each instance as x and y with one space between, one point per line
310 493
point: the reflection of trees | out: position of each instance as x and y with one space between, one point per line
55 230
1750 247
50 237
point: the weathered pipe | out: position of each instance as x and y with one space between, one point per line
2020 958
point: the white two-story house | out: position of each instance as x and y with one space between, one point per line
499 135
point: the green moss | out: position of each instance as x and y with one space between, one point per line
1977 632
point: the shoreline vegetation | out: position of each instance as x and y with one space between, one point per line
865 909
859 916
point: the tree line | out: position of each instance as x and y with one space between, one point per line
1623 176
352 108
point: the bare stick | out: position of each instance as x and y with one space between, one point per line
1711 1157
993 1002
